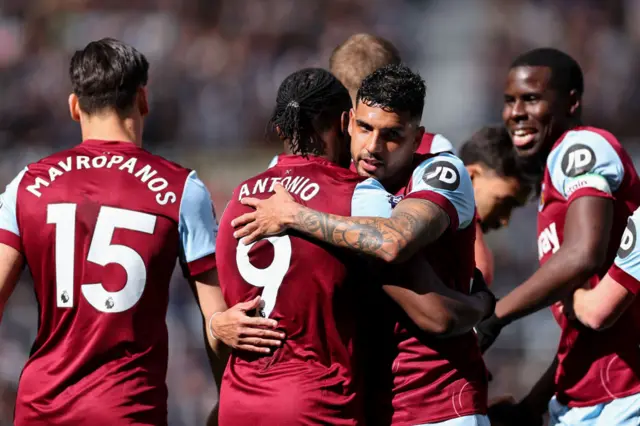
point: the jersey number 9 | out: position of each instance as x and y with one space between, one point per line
270 277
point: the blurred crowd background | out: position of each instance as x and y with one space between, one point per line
215 69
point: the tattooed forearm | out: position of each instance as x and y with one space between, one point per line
414 224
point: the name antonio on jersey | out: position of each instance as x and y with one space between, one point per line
298 185
144 173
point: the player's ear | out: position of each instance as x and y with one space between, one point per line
344 122
279 132
418 139
74 107
352 119
574 102
474 170
143 102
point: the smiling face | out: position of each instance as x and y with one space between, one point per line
535 113
382 142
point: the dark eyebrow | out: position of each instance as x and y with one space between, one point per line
366 125
363 124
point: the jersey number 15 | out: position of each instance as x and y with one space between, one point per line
101 252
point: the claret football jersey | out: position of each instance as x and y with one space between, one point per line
101 226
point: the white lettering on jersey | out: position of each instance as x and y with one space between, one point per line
144 174
297 185
65 166
54 173
35 188
548 241
444 174
581 158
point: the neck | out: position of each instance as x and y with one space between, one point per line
111 127
399 180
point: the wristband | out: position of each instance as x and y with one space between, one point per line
210 328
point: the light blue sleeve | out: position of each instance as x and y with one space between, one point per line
441 144
273 162
585 159
8 201
446 176
628 258
197 228
371 199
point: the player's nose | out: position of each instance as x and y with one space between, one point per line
374 143
518 111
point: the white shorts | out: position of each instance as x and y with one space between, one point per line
474 420
619 412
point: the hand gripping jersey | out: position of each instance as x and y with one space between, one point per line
101 226
309 289
430 379
594 367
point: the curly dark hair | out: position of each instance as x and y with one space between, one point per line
394 88
107 74
308 102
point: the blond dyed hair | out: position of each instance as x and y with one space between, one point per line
359 56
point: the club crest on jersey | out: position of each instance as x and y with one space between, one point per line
109 304
394 200
578 160
628 242
541 202
442 175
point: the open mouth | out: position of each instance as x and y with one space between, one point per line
523 138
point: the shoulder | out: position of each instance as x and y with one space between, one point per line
444 180
160 161
586 157
371 199
439 171
441 144
580 150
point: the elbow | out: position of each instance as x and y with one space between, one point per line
587 262
597 321
443 326
392 253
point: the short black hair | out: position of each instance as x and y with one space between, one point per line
491 147
394 88
308 101
107 74
566 74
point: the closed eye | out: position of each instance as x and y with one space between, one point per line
364 125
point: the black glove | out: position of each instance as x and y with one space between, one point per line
489 330
513 414
480 286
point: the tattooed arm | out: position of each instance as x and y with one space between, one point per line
413 224
441 197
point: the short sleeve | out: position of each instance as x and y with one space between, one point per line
626 268
441 144
197 228
585 164
273 162
9 231
444 180
371 199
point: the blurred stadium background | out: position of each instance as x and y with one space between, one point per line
215 69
